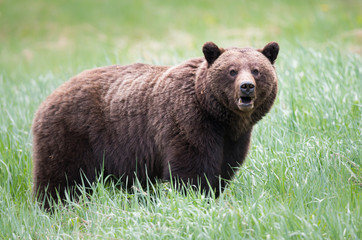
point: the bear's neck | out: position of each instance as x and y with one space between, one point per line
207 100
239 125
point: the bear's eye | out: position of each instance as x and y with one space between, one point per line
255 72
233 73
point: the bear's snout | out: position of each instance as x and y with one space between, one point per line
247 95
247 88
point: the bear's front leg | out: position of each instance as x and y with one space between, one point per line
187 165
235 152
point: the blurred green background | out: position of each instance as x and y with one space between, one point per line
303 176
37 36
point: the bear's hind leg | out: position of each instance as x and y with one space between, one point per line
60 165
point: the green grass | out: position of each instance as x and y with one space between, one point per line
303 176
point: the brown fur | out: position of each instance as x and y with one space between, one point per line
149 121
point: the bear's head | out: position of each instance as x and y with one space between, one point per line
243 80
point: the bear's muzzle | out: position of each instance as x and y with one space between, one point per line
247 96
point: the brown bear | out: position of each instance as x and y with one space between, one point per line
191 122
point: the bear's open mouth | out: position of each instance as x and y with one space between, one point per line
245 100
246 103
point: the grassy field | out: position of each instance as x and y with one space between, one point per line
303 176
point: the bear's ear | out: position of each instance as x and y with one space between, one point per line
211 52
271 51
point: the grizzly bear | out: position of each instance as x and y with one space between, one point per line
189 123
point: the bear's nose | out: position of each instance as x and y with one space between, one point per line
247 87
